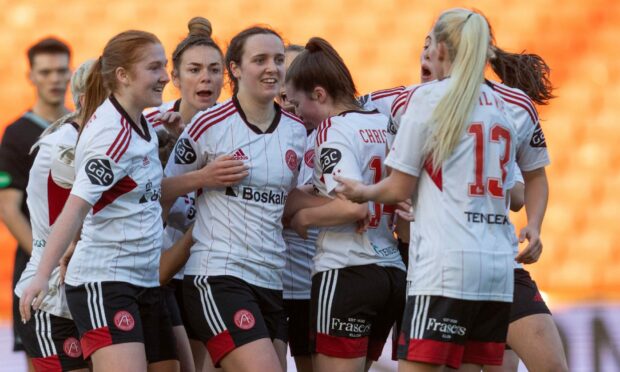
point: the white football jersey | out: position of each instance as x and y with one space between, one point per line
238 230
297 275
154 113
462 242
380 100
352 145
181 216
45 202
119 174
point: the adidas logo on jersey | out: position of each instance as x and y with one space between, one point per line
239 155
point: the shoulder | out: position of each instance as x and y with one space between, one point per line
153 113
293 120
22 130
516 99
207 119
386 93
401 101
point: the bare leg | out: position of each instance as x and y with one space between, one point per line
280 347
511 363
164 366
324 363
128 357
258 355
407 366
303 363
184 350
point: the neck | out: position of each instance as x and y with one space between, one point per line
133 110
51 113
341 107
258 113
187 111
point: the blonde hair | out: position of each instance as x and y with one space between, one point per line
77 86
466 37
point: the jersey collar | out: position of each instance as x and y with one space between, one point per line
254 128
144 133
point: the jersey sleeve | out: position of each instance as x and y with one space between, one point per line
407 152
395 113
186 155
101 162
531 145
336 155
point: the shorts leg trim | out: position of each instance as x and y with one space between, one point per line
341 347
435 352
47 364
375 348
43 330
220 345
94 340
485 353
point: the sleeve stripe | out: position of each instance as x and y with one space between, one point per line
294 117
209 124
204 118
121 141
533 117
386 93
519 99
321 135
152 114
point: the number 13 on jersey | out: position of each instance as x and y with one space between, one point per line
492 185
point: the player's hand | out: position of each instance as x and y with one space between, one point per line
404 211
32 296
173 122
224 171
63 263
298 225
350 190
533 250
362 225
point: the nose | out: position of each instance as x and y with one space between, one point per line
164 78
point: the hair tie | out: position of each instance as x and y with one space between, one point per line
469 16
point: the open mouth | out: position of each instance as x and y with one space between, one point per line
204 93
426 73
269 81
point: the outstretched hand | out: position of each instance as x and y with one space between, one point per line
32 297
350 190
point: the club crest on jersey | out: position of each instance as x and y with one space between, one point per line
291 159
329 158
72 347
309 158
99 172
244 319
538 137
124 320
239 155
184 152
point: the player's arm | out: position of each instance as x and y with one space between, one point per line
336 212
63 232
395 188
12 216
173 259
300 198
536 197
517 197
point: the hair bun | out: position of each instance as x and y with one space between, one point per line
199 26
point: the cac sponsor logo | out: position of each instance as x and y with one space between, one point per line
248 193
72 347
392 127
309 158
446 326
538 137
124 320
244 319
99 172
350 327
329 158
291 159
184 152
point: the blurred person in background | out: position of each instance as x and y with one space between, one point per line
49 74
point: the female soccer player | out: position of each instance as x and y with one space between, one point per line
359 286
50 336
112 281
455 153
233 278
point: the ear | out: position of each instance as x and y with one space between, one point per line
319 94
175 79
122 75
442 51
235 69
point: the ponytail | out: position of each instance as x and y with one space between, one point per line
54 127
525 71
321 65
466 37
94 94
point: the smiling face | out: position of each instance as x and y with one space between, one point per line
148 77
261 71
50 75
200 76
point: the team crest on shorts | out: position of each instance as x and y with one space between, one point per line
309 158
124 320
291 159
244 319
72 347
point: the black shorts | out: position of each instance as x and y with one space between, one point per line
403 248
228 312
109 313
20 263
527 299
353 310
52 342
171 304
447 331
177 287
298 321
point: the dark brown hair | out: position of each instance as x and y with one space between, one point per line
525 71
236 48
320 65
123 50
49 45
200 31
